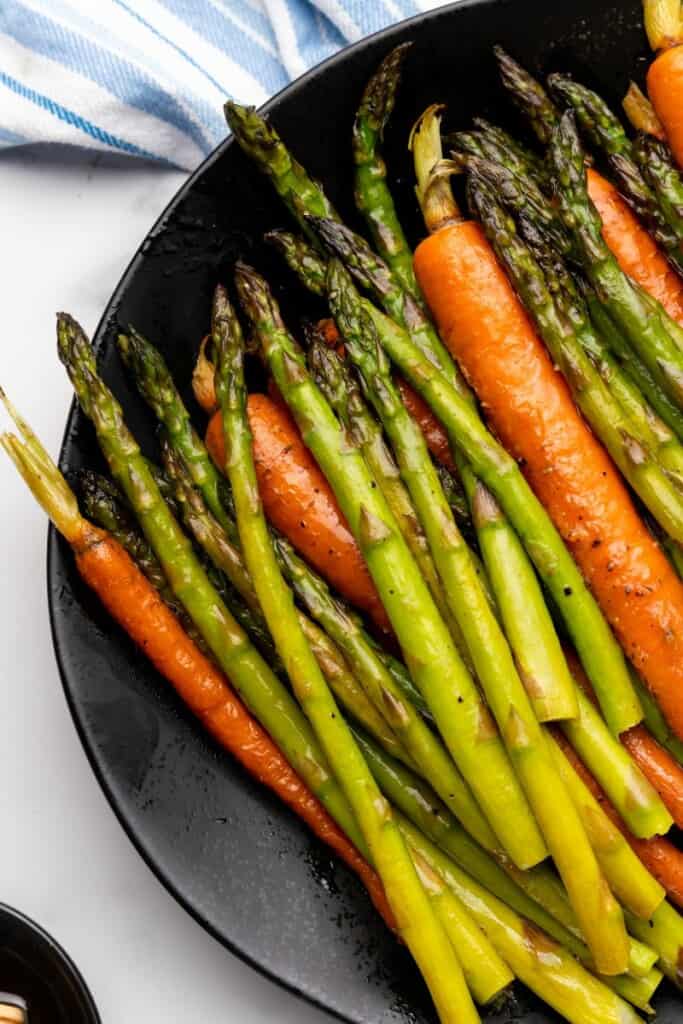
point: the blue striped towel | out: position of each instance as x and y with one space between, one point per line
149 77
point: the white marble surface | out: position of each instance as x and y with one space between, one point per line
69 224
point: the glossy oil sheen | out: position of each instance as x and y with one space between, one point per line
239 862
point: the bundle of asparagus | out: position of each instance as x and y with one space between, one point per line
505 811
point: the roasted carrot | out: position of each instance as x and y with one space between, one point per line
659 856
298 501
665 774
664 27
434 433
137 607
665 88
637 254
531 409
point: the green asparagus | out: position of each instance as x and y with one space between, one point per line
664 178
417 923
493 661
300 256
544 966
262 691
645 324
428 753
260 141
341 390
606 132
528 95
373 197
226 557
156 385
463 719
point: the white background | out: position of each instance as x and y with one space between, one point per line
68 227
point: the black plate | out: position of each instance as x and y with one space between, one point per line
239 862
35 967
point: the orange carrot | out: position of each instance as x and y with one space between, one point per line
434 433
665 89
659 856
637 254
531 410
665 774
298 501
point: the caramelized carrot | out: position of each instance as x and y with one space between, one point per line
665 774
134 603
298 501
434 433
637 254
665 88
531 410
659 856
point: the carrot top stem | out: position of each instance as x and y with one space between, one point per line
42 476
663 23
433 189
641 113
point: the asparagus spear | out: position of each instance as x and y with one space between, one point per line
593 397
261 690
226 557
417 924
492 143
535 894
261 142
428 753
631 793
664 932
462 717
105 505
667 410
606 132
528 625
518 193
156 385
662 175
644 420
543 965
646 326
556 815
528 95
507 143
372 194
341 390
631 882
486 974
300 256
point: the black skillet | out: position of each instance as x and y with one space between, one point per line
241 864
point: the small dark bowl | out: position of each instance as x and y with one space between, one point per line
231 854
35 967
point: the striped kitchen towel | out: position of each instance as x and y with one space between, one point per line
149 77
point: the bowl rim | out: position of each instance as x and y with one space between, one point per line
56 950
